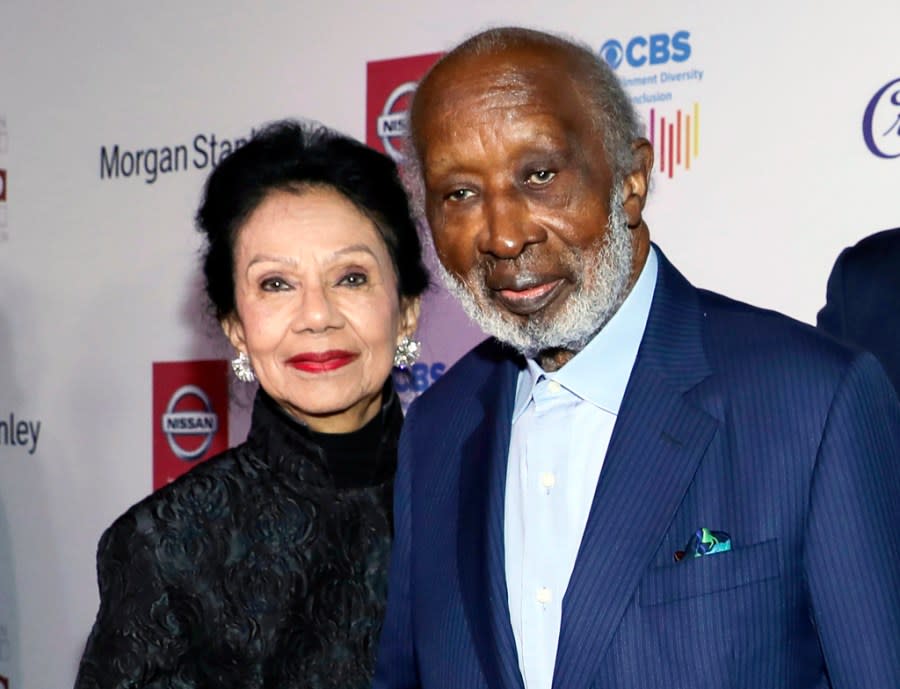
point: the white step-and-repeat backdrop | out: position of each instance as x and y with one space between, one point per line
777 133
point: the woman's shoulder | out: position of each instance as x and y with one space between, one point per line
195 495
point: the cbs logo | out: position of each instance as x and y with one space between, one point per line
655 49
418 377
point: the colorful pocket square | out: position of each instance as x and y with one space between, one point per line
705 542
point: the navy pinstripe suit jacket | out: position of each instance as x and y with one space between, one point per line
736 419
863 305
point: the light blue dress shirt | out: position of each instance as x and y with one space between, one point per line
561 426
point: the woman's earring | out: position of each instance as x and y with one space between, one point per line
241 367
406 353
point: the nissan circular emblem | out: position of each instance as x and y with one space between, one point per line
183 420
391 123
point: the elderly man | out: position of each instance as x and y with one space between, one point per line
634 483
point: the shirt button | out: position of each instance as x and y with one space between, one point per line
544 596
554 387
548 480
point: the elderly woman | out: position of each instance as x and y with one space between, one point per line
266 565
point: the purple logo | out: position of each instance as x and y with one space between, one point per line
881 121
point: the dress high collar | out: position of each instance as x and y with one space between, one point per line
357 459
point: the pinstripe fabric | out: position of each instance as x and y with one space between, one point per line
863 302
736 419
480 560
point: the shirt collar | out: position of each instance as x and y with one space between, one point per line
599 373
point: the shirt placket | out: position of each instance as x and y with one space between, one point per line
541 597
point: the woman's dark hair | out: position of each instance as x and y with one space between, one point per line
288 155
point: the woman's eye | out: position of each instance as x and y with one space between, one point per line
460 194
354 279
274 285
539 177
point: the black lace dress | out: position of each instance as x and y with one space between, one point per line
265 566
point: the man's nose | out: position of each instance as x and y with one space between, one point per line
508 227
315 309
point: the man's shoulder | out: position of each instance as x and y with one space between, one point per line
475 369
881 249
886 240
725 323
748 336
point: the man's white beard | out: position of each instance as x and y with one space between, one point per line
604 271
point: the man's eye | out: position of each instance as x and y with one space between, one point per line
354 279
274 285
460 194
539 177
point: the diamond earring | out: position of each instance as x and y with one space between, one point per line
406 353
241 367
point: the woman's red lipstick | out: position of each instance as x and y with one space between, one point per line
320 362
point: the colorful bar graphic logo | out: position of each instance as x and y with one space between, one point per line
675 138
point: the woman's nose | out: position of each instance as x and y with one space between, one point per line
315 309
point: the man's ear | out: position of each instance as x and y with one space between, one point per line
234 331
637 182
409 316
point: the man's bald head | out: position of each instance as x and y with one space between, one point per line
604 99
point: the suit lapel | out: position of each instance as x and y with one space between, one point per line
480 551
656 445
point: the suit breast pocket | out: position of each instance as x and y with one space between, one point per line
701 576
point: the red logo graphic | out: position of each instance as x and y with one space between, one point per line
389 85
2 184
676 142
190 415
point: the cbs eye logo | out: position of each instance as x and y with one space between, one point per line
612 52
655 49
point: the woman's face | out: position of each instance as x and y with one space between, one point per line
317 308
